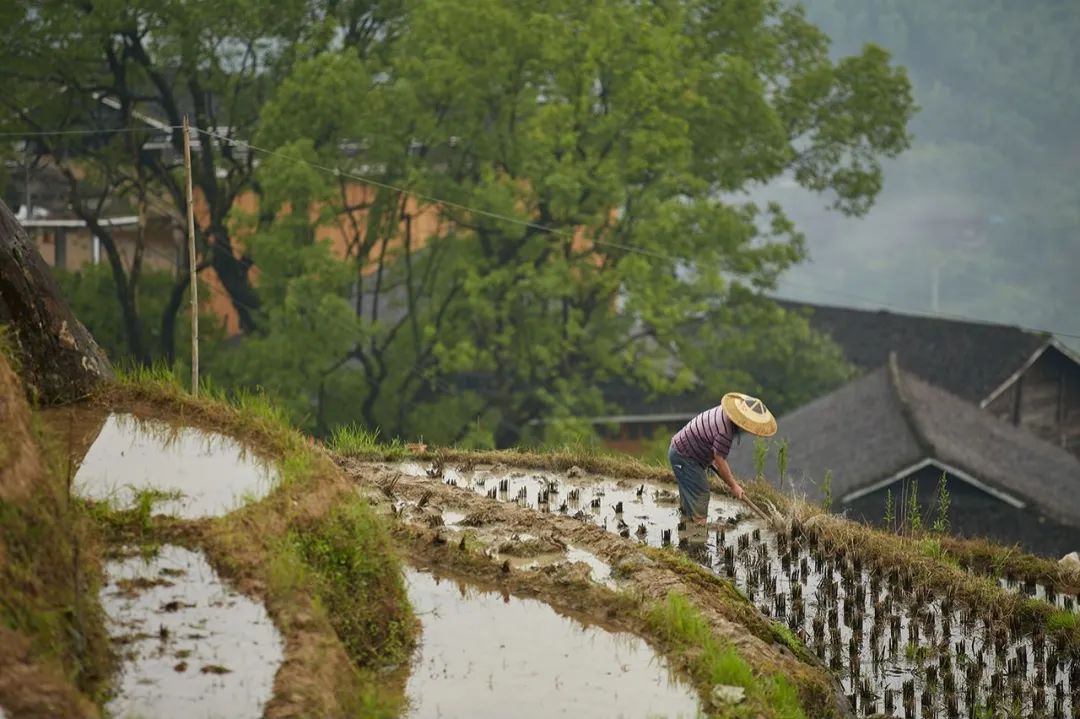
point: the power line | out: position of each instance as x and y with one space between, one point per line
628 248
337 172
112 131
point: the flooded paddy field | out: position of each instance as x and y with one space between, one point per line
486 654
189 472
895 646
191 646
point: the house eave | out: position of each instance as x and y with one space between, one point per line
950 469
1011 379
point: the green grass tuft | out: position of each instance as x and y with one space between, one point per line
357 441
1062 621
677 622
349 552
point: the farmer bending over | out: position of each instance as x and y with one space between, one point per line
706 440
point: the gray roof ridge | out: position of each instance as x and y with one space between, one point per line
907 410
912 314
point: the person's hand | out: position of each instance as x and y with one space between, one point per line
738 492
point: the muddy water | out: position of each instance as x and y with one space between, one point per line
192 647
599 570
209 474
648 510
884 639
483 654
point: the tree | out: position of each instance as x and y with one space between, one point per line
141 66
91 293
591 158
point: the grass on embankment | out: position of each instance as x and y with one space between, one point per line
312 549
711 662
926 560
995 560
54 652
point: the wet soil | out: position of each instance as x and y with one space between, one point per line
483 654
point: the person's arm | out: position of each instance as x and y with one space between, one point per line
721 467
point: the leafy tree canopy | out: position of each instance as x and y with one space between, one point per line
592 158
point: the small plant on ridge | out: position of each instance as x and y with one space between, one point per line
941 521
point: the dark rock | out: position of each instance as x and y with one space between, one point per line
58 359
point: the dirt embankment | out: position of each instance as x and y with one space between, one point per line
338 631
51 660
646 576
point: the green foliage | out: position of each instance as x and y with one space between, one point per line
914 509
91 293
677 622
782 461
350 553
601 121
941 520
761 453
890 511
356 441
826 491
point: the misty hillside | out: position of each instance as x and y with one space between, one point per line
988 198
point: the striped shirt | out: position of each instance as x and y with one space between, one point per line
710 432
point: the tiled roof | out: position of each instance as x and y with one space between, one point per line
889 420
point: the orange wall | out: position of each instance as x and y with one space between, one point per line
341 234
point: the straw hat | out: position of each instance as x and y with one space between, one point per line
749 413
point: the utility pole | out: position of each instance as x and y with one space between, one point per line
191 265
935 282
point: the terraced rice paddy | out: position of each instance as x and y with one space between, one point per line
896 646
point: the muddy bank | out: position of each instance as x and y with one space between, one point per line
54 653
252 547
485 655
191 645
643 574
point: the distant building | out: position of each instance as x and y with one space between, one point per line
889 431
65 241
1026 378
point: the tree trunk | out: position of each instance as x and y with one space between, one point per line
169 315
59 360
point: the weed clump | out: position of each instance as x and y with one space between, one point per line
914 512
356 441
359 581
941 521
677 622
761 451
890 511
